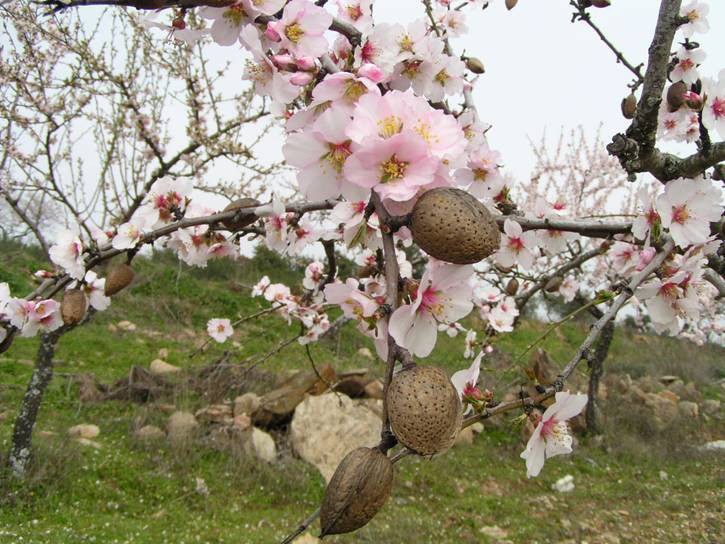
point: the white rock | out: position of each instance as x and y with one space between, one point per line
246 404
159 368
126 326
564 485
262 445
715 445
88 442
84 430
326 427
365 352
181 426
663 475
163 353
149 433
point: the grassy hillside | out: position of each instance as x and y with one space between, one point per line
628 489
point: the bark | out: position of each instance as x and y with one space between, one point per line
597 369
20 451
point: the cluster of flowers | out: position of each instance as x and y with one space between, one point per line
679 118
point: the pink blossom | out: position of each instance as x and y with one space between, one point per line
67 253
358 13
395 168
668 300
354 303
687 207
444 295
31 317
94 289
517 247
645 257
267 79
502 316
470 344
482 176
127 236
166 197
260 287
301 28
451 329
467 378
713 113
320 153
219 329
646 221
301 235
624 257
569 288
445 77
314 274
227 21
551 436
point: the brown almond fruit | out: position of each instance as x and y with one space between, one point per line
357 491
73 306
118 279
629 106
676 95
453 226
512 287
244 219
424 409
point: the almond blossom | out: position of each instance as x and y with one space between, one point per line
314 274
669 300
34 316
167 197
687 207
482 176
127 236
551 436
301 29
227 22
67 253
517 246
713 113
444 295
260 287
465 381
94 289
354 303
569 288
395 168
696 14
358 13
219 329
262 72
686 67
647 221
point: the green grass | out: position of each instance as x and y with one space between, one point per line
129 492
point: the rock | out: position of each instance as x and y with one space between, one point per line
261 445
159 367
246 404
664 476
163 353
353 383
89 389
181 426
112 328
374 390
664 410
374 405
494 532
609 538
200 487
465 436
149 433
326 427
636 394
165 407
711 407
365 352
84 430
88 442
478 427
715 445
215 413
647 384
667 380
564 485
688 409
139 386
126 326
307 538
242 422
669 395
277 406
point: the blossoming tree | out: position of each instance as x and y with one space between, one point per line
390 150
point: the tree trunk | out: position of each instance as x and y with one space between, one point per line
596 364
20 451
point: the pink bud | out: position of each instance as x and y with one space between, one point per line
693 100
372 72
300 78
305 63
645 256
271 33
488 349
283 62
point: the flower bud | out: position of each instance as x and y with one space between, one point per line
629 106
511 4
305 63
475 65
693 100
301 78
271 34
645 257
553 284
601 3
284 62
372 72
512 287
178 23
676 95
